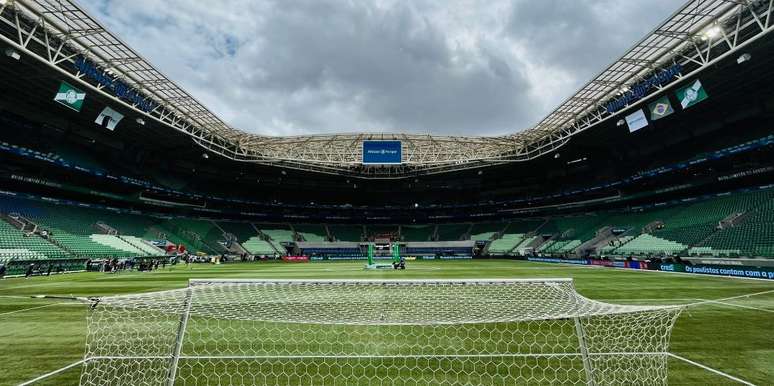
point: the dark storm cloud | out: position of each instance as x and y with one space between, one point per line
450 67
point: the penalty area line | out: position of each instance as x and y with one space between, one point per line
28 309
710 369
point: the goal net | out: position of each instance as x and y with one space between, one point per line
361 332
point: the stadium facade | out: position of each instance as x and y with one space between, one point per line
667 152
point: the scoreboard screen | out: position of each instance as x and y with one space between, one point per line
382 152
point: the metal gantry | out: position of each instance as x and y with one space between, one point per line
58 32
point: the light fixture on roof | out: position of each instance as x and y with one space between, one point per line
140 121
743 58
711 32
10 52
205 156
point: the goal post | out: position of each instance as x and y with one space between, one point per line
375 332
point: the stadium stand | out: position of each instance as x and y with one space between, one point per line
352 233
452 232
570 232
381 231
117 243
203 234
258 246
241 230
416 232
14 244
485 231
311 232
505 244
723 225
278 234
754 236
525 226
615 243
142 245
647 244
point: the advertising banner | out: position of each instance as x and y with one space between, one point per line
296 259
735 271
558 260
636 121
382 152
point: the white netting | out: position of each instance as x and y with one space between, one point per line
493 332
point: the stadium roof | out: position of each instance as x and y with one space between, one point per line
698 34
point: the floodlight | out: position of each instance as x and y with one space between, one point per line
743 58
10 52
711 33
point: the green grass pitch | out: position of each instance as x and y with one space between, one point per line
734 336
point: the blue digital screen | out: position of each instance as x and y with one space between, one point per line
381 152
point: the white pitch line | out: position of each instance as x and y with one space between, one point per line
28 309
710 369
738 305
55 372
730 298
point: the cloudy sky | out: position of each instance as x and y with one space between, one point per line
451 67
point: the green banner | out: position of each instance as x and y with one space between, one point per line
691 94
70 96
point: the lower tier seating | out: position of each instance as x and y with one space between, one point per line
257 246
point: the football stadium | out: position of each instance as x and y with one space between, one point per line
626 238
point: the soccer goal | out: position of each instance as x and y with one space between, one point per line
363 332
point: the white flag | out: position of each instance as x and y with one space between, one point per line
636 120
112 116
